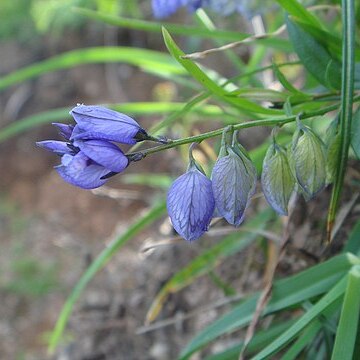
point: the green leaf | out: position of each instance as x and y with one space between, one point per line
355 133
286 293
146 59
102 259
307 336
349 318
328 299
353 243
287 85
210 85
316 59
188 30
293 7
207 261
261 339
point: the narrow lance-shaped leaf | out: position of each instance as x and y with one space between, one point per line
277 179
316 59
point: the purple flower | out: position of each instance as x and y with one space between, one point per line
190 203
86 163
96 122
166 8
233 182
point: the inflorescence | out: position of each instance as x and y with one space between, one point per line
89 157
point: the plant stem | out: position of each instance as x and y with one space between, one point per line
263 122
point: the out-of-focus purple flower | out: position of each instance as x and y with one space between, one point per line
233 182
190 203
86 163
97 122
165 8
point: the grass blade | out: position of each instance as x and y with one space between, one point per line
349 318
333 295
147 59
347 90
293 7
153 26
204 79
154 213
259 341
286 293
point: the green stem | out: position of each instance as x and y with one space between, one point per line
347 89
263 122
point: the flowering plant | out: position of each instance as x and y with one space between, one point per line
302 81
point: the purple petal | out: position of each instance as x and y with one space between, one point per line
190 204
65 130
80 171
58 147
96 122
104 153
233 182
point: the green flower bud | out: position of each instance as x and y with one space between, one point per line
309 164
277 179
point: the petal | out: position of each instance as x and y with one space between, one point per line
190 204
233 182
104 153
80 171
65 130
96 122
58 147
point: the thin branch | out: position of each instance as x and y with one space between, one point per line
203 54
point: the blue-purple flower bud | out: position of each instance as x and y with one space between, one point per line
190 203
97 122
277 179
233 181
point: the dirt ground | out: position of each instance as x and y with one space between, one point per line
50 231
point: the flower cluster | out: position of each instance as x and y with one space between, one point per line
88 155
193 198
